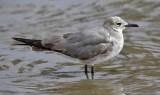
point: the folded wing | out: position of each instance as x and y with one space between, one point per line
81 45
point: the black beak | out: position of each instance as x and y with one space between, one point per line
131 25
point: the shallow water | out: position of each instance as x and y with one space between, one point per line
135 71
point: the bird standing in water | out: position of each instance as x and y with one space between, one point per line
90 46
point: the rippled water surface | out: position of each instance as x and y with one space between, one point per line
135 71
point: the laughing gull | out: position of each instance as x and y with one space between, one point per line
90 46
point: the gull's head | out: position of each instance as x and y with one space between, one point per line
117 24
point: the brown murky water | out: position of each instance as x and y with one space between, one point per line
135 71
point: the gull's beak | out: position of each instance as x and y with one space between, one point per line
131 25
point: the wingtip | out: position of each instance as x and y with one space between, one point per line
17 38
14 38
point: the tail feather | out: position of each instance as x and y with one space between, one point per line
30 42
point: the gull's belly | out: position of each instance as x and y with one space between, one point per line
104 57
114 51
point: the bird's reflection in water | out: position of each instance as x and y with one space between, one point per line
87 87
92 76
87 77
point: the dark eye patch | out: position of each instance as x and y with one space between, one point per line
119 24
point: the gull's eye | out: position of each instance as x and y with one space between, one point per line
119 24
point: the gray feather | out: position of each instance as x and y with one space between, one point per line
82 45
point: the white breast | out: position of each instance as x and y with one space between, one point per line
116 48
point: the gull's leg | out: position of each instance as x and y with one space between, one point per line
92 75
85 68
86 71
92 69
87 75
